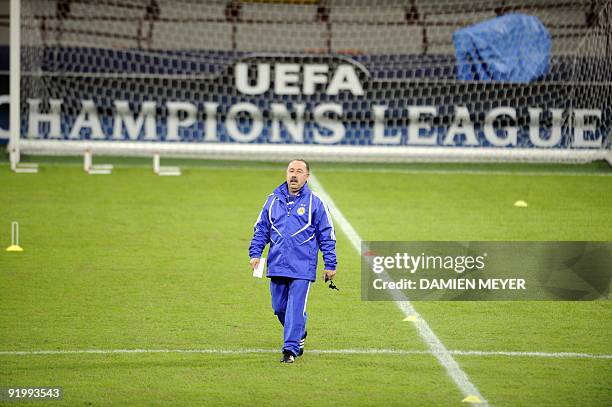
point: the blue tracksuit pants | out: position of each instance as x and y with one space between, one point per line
289 298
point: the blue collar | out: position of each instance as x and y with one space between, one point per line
282 191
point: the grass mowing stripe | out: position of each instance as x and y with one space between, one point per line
471 172
556 355
429 337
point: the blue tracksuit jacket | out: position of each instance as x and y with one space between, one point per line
296 227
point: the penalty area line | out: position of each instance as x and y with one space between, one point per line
435 345
374 351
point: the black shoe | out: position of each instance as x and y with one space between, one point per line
302 343
287 357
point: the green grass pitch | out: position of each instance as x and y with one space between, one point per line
137 261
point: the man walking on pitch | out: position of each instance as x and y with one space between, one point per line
297 224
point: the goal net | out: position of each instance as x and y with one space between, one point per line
340 80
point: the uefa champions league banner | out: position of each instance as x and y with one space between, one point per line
313 100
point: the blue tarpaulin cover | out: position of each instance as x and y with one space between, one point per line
512 48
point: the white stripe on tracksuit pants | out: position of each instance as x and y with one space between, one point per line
289 298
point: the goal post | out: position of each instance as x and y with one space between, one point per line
329 80
14 87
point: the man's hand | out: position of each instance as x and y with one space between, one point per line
254 262
329 274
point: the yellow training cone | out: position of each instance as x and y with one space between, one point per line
520 204
14 248
471 399
410 318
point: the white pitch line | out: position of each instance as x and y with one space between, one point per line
434 344
552 355
558 355
360 169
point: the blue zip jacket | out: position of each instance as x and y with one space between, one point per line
296 227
